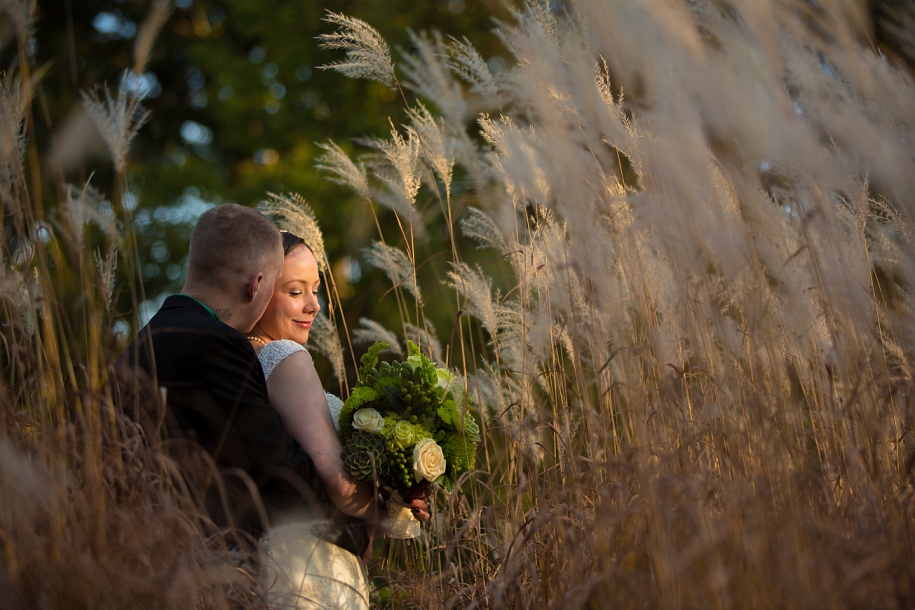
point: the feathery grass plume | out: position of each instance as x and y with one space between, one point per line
367 54
82 206
117 119
400 172
500 393
482 229
435 147
515 158
148 31
12 141
493 131
22 15
74 215
428 74
295 215
396 264
533 265
425 338
343 170
615 125
534 23
325 338
23 298
370 331
476 289
107 268
465 61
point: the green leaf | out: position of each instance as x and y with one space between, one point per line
417 359
449 414
460 454
470 427
370 358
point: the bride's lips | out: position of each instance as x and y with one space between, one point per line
306 324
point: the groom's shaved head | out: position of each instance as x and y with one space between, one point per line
230 243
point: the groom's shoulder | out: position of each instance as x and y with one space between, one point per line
181 315
179 311
182 329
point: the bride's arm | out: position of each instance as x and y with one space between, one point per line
296 392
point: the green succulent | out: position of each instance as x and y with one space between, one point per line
364 456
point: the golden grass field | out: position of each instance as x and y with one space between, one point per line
697 390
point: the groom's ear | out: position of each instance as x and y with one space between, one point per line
254 286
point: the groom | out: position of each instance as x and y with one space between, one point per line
195 348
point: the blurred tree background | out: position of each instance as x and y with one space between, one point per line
237 104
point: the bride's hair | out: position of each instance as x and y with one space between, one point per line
291 240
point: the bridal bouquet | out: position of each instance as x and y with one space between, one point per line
404 423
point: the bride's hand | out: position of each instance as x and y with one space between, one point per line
417 500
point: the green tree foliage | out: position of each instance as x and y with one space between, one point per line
237 104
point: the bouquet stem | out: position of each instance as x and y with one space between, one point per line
402 548
404 555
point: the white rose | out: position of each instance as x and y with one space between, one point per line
428 460
369 420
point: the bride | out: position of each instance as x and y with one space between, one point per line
306 569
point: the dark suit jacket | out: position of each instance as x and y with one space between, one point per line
217 398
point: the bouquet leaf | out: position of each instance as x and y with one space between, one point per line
460 453
370 358
449 414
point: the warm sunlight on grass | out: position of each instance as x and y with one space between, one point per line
696 385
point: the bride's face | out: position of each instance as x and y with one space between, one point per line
295 299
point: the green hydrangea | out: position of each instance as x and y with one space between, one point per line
421 432
389 422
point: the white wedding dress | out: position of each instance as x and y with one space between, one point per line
305 571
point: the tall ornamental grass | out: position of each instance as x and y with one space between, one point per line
93 511
698 380
695 381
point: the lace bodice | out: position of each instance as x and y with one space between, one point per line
276 351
